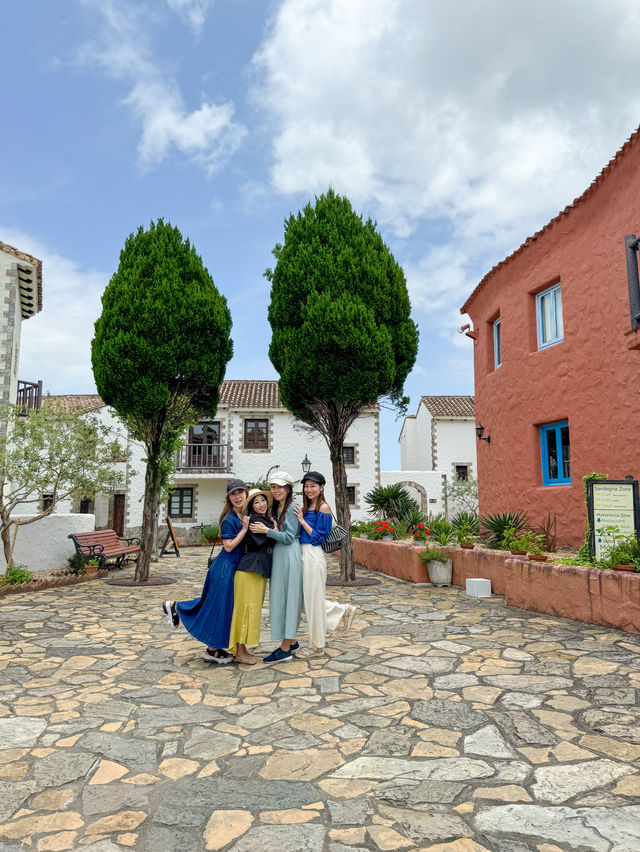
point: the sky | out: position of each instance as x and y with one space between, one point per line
459 127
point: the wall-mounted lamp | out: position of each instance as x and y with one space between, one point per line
480 433
306 464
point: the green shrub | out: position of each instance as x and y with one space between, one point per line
441 531
433 554
494 527
209 532
414 518
467 520
391 501
17 574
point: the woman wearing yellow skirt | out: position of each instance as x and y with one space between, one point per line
250 581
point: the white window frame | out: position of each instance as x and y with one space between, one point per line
556 316
497 344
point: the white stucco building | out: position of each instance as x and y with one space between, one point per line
251 432
437 445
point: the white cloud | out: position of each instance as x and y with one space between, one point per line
207 135
56 343
194 12
475 122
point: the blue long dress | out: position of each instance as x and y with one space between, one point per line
208 617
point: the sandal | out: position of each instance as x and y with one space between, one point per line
217 655
249 660
309 651
349 615
171 613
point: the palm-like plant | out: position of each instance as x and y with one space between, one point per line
390 501
494 527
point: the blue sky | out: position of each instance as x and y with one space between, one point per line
460 127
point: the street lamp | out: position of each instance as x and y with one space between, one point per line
306 464
480 433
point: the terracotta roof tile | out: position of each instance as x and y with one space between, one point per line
248 393
234 393
450 406
81 402
631 141
27 258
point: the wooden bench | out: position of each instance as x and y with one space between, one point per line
105 544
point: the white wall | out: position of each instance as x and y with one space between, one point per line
430 480
455 444
43 545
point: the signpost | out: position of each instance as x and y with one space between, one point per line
170 540
611 503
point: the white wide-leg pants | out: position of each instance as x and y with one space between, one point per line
322 615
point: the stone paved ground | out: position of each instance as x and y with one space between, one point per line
439 722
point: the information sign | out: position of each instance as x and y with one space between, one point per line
611 503
170 546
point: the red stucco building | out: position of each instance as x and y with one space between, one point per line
557 356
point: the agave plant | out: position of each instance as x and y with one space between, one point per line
494 527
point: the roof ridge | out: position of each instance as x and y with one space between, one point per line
620 153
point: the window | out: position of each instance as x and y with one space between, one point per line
351 494
555 452
462 471
497 350
47 501
349 455
256 434
549 317
181 503
86 506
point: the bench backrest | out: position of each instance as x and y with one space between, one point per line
103 537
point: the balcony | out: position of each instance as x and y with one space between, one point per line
203 458
29 396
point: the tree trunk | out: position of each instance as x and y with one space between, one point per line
5 535
148 534
343 512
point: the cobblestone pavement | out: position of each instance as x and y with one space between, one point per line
438 722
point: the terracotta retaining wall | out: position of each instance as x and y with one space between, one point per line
610 598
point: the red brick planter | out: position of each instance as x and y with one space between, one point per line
610 598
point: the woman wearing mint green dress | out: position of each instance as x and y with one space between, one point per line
285 583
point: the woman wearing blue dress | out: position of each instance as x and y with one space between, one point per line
285 584
208 617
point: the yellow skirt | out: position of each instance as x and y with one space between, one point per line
248 597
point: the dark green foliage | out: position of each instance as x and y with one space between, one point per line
413 517
467 520
392 502
164 330
440 530
209 532
16 574
547 529
339 312
494 527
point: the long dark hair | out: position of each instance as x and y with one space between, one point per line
287 503
227 509
306 502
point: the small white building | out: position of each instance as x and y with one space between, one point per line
250 433
437 446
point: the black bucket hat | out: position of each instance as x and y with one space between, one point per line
235 484
314 476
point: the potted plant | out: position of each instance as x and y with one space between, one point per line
419 534
536 552
382 531
624 555
438 564
91 566
362 528
517 543
464 534
209 534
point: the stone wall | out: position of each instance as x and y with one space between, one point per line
610 598
43 545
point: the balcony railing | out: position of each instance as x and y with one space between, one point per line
204 458
29 396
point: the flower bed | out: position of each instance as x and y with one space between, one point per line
609 598
49 581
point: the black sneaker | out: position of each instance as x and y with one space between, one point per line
217 655
278 656
294 647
